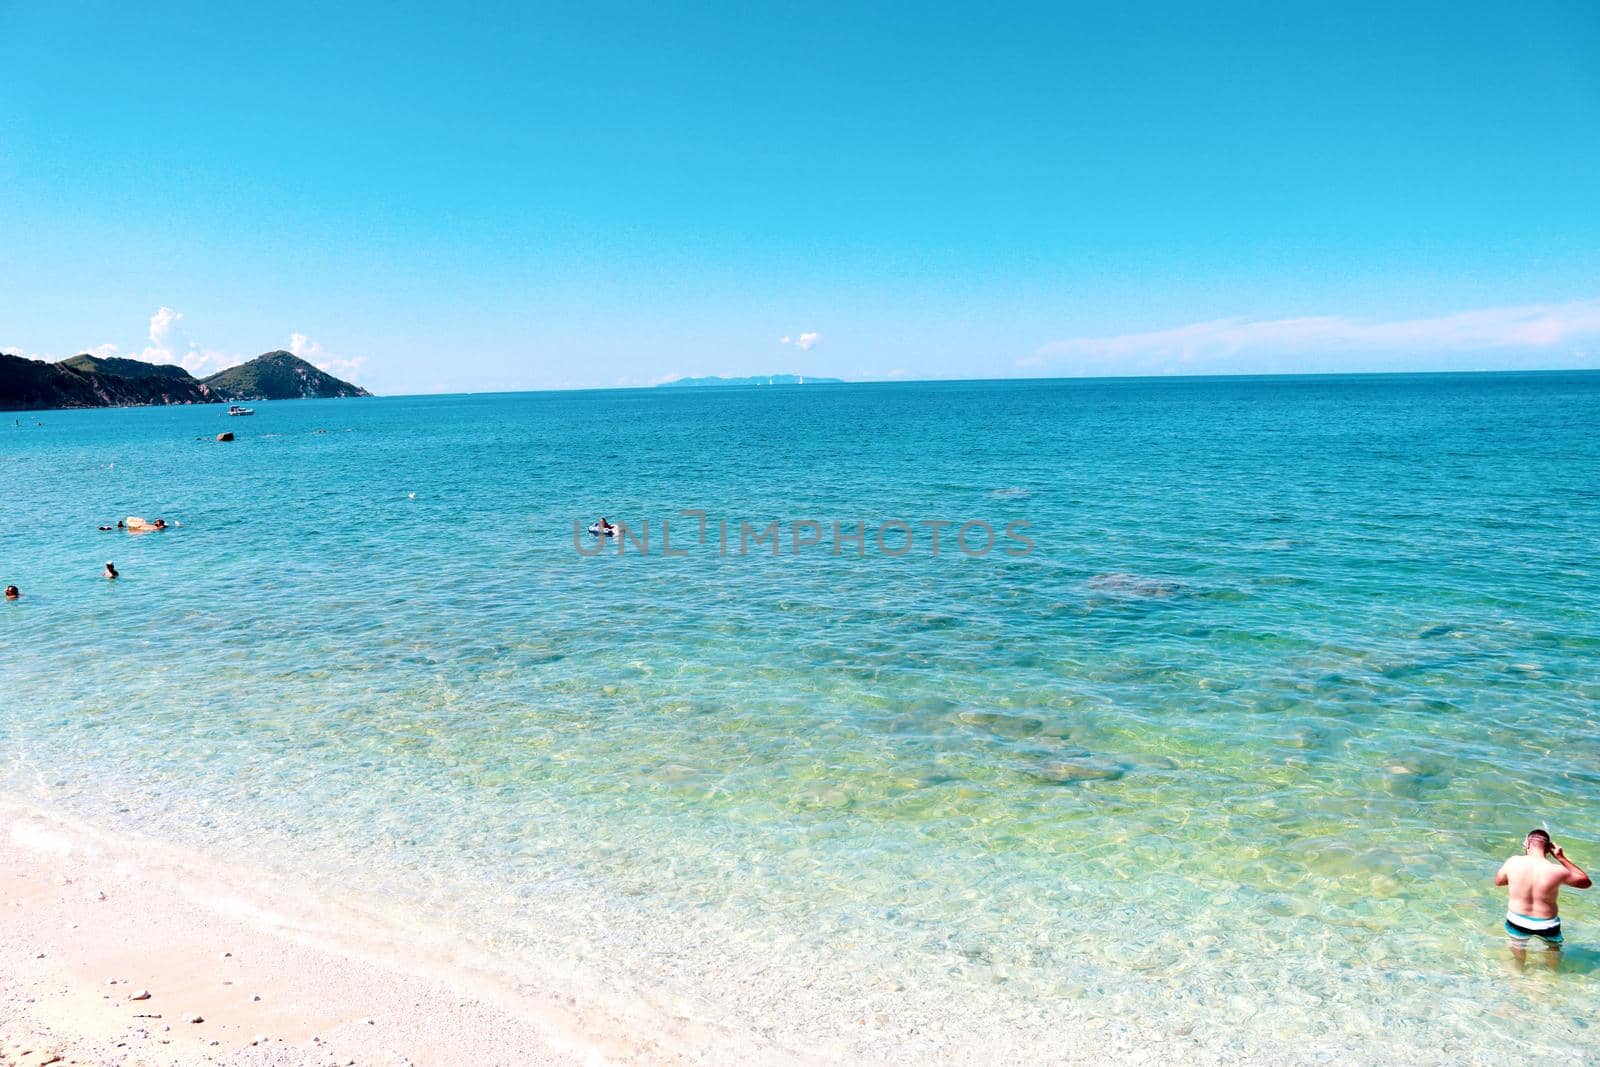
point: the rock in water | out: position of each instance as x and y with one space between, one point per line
1085 770
1134 585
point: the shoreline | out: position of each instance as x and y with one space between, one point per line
282 974
93 918
93 915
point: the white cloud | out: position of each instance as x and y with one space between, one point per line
806 341
312 352
349 369
168 340
170 343
201 362
304 347
1328 341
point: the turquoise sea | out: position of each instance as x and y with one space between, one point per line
1228 758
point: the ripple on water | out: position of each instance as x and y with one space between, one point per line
1141 774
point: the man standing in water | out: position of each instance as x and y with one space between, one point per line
1531 910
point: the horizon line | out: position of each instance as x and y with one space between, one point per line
1526 371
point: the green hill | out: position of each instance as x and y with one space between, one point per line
30 384
93 382
278 376
132 369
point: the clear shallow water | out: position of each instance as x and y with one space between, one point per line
1232 754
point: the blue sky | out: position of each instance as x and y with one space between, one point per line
486 196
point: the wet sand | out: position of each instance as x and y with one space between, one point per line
86 933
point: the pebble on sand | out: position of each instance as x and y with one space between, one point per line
194 1017
143 994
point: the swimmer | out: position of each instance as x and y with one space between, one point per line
12 592
111 571
138 525
606 529
1534 882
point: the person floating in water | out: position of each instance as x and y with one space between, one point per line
12 592
606 529
135 524
111 570
1534 882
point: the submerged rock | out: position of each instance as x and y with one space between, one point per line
1066 771
1002 723
1442 630
1134 585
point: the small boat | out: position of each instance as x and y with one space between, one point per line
237 410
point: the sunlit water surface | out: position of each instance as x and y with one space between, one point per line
1231 755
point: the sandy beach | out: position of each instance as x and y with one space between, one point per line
118 949
123 953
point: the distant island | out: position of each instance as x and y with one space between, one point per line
768 379
93 382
